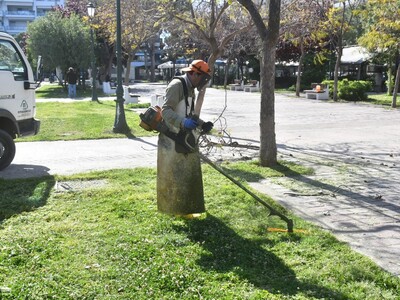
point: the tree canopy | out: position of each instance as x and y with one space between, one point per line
139 24
61 41
382 34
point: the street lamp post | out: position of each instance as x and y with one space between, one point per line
91 10
120 125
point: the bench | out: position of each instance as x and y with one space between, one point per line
321 94
107 88
129 96
254 86
236 86
157 99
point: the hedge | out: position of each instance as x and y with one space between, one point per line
351 90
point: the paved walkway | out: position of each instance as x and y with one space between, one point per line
354 149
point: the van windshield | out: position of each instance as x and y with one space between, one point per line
11 60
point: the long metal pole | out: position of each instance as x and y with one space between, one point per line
94 73
120 125
119 54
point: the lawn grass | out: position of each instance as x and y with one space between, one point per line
381 99
82 120
55 90
109 242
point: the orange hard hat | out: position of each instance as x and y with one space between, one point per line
198 66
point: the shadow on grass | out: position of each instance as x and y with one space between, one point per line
52 91
255 176
229 252
243 175
23 195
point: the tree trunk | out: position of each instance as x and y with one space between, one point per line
389 79
153 63
146 67
396 87
269 37
110 60
336 72
128 68
226 73
300 68
268 150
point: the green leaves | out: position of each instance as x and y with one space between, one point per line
382 26
62 42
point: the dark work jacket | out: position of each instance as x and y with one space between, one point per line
71 77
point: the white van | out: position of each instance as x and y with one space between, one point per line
17 98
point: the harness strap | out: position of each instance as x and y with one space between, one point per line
186 93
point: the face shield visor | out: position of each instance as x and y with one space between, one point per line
205 78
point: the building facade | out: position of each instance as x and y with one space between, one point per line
16 14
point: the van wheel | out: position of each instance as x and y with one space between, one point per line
7 149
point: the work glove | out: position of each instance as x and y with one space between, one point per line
207 126
189 123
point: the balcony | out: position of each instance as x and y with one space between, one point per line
20 14
48 3
19 2
15 29
41 13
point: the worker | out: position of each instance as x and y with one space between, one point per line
179 177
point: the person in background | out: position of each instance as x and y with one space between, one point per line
71 78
